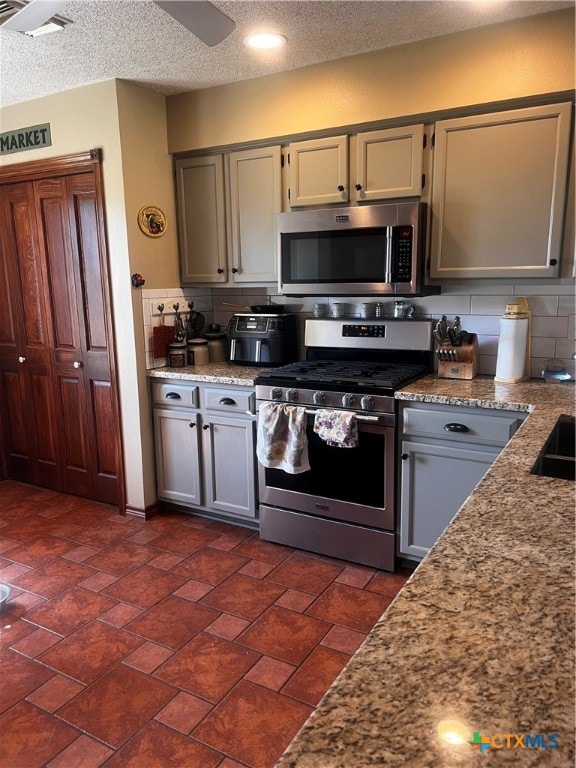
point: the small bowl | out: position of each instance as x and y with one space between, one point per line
4 593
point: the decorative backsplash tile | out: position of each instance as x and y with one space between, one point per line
479 305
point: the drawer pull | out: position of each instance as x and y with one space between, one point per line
404 456
173 396
226 401
191 424
453 426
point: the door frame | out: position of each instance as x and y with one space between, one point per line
66 165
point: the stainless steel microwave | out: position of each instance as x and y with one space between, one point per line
353 251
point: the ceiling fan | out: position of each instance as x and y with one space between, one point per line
201 18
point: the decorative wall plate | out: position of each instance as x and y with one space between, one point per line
152 221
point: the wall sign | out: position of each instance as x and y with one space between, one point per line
33 137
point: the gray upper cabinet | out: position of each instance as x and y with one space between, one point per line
255 198
389 163
201 219
319 171
499 193
227 206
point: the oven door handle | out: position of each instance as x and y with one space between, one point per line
359 417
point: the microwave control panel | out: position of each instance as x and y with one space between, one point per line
402 239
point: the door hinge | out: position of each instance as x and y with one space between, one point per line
423 180
282 160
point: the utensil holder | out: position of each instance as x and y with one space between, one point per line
464 362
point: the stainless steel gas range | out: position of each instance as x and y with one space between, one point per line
344 506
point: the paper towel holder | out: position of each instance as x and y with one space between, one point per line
518 310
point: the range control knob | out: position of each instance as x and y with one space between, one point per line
319 398
292 395
348 400
275 393
367 403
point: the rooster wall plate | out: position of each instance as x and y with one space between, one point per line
152 221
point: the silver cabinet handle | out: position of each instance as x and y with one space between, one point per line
77 364
21 359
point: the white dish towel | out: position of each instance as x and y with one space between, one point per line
281 441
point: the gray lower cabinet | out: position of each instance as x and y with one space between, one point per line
445 452
177 455
228 445
205 447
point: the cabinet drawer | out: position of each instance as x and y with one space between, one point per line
229 401
172 393
463 425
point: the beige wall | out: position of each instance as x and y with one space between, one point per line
507 61
128 124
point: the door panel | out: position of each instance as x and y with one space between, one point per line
14 397
57 246
105 480
87 251
28 415
58 403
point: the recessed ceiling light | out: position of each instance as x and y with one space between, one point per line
265 40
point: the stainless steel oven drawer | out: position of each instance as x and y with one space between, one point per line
328 537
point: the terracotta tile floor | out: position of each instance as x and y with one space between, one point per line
177 641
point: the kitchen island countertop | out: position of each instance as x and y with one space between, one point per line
479 644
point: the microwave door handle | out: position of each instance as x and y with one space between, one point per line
232 349
388 265
258 350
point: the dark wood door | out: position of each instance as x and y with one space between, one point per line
26 393
55 278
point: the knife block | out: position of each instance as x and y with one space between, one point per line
466 364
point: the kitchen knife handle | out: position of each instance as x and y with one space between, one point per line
453 426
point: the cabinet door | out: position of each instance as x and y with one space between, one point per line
319 171
228 452
177 455
435 482
389 163
255 199
498 193
201 219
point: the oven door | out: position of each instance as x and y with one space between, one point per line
354 485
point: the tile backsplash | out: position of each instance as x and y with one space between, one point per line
479 305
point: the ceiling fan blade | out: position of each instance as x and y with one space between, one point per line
33 15
202 19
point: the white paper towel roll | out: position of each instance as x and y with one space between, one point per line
510 364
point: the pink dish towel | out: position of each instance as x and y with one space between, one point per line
337 428
281 441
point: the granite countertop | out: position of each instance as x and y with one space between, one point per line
481 638
216 373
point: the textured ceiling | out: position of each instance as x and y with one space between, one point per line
136 41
